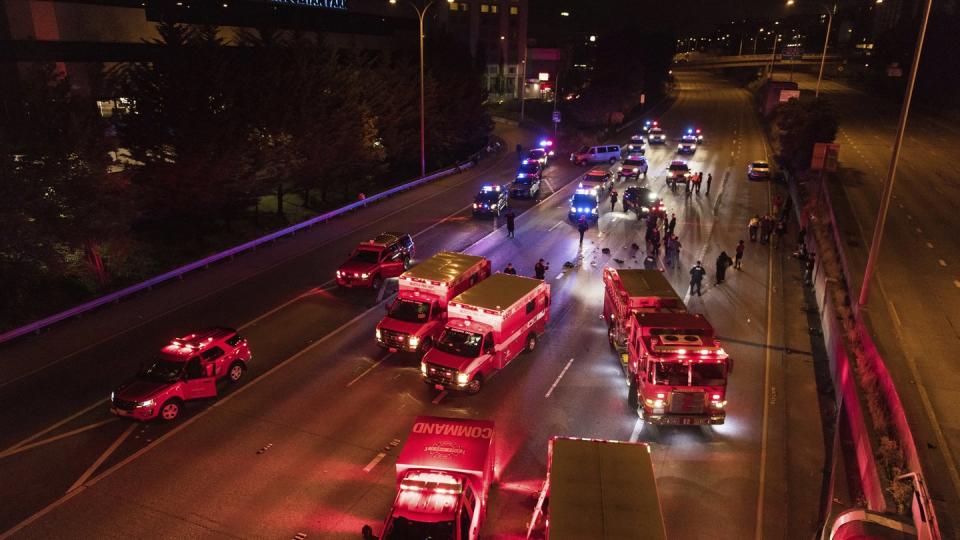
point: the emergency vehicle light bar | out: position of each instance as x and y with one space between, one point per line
433 482
488 189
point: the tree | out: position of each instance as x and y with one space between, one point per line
802 124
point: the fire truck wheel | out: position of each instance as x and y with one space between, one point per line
170 410
236 371
612 336
426 345
531 342
475 385
376 283
632 394
406 262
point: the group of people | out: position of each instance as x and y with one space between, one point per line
771 227
693 183
539 269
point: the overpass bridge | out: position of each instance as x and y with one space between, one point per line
690 62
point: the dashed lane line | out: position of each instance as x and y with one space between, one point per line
373 462
439 398
369 369
942 262
556 382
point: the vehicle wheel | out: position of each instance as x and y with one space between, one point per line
376 283
632 399
425 346
406 263
170 410
475 385
236 371
612 337
613 160
531 342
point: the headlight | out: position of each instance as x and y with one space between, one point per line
462 378
364 275
147 403
423 368
619 168
112 395
718 404
594 210
651 196
338 273
377 333
414 342
658 404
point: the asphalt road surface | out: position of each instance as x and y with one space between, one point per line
306 445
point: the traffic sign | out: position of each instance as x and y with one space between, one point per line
793 51
556 117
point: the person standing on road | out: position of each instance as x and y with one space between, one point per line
510 223
655 242
709 181
696 182
672 224
510 269
738 258
697 274
519 150
766 227
801 243
613 199
779 232
582 226
808 269
752 226
540 270
723 261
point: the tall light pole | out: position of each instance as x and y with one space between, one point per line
756 40
829 12
423 143
773 54
891 173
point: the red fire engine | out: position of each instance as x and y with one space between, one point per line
634 290
416 318
443 478
678 370
488 326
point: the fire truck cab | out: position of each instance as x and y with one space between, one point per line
634 290
488 326
678 370
415 319
444 475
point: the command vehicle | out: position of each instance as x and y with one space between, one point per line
678 171
656 136
585 202
488 326
187 368
373 261
627 291
642 200
632 167
491 201
444 473
415 319
598 490
677 369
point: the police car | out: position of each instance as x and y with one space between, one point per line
632 167
649 124
688 144
678 171
636 146
696 133
536 154
656 136
547 145
526 187
598 177
530 168
585 202
491 201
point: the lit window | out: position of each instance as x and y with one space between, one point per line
484 8
514 10
454 6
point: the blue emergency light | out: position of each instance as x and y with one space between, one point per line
490 189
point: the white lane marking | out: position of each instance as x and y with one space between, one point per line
909 217
103 457
559 223
893 311
919 230
942 262
560 376
549 185
637 428
373 462
369 369
439 398
48 429
443 220
293 300
23 448
929 245
956 283
758 530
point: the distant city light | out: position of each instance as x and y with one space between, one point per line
593 38
564 13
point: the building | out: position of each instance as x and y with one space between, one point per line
496 33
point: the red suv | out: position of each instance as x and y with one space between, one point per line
187 368
386 256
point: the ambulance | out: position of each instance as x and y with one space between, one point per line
444 473
488 326
415 319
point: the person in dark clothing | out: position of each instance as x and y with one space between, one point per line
723 261
779 232
510 223
709 181
655 242
801 243
738 258
540 270
672 224
697 274
752 226
519 149
808 269
582 226
650 263
766 227
613 199
367 533
510 269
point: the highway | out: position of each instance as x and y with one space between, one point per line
914 306
307 443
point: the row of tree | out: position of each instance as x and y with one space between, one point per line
211 127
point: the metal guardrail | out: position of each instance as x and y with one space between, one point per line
116 296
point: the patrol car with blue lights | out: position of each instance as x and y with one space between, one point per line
491 201
530 168
585 202
688 143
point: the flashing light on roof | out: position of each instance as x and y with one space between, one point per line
681 352
715 397
704 352
689 130
490 189
698 130
521 175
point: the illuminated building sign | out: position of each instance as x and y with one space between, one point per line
328 4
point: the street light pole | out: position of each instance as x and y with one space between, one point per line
421 13
756 40
826 41
523 84
773 54
891 173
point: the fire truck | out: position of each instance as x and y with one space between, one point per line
634 290
677 369
444 474
415 319
488 326
600 490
